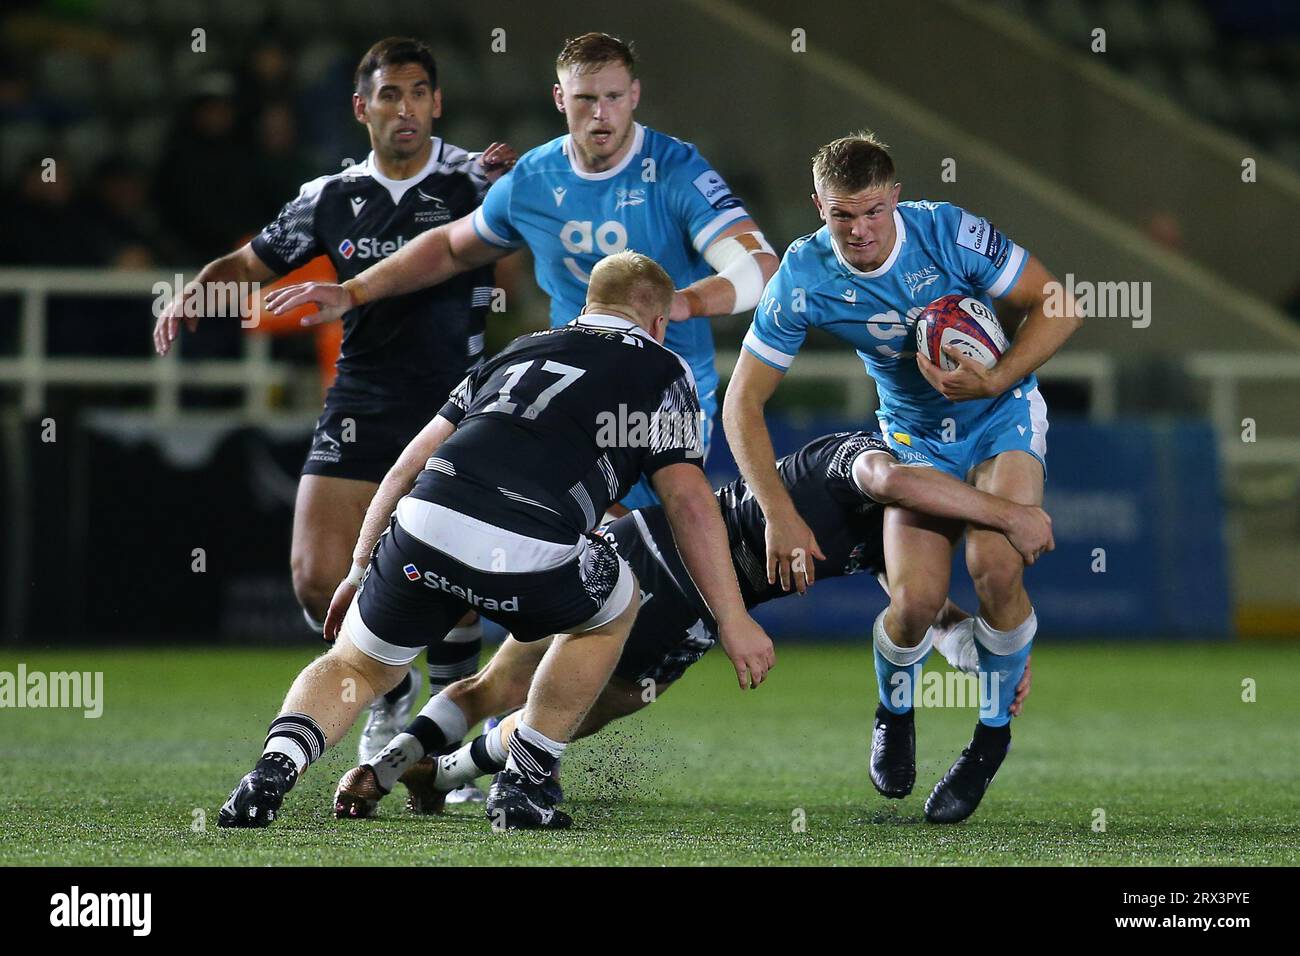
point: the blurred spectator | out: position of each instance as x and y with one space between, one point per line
281 167
1165 230
206 174
42 223
127 230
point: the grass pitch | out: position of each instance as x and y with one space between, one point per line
1155 736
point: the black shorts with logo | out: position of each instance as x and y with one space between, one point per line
361 432
673 628
413 594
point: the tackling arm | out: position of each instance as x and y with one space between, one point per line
701 538
931 492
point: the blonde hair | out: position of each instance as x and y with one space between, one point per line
632 280
853 163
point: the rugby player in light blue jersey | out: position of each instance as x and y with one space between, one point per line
864 277
610 184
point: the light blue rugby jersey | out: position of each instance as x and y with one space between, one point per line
941 249
663 200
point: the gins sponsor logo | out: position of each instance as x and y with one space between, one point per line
75 909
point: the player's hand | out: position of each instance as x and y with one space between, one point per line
497 160
750 650
791 548
339 604
168 325
332 299
1029 529
970 380
1022 689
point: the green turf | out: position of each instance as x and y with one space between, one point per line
1157 736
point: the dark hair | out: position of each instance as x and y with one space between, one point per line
853 163
394 51
591 51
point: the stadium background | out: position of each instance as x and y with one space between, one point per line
1171 158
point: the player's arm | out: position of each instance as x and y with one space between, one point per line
395 485
242 265
743 262
789 539
1039 337
428 259
929 491
692 511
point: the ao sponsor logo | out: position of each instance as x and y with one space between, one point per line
633 428
1100 300
71 690
76 909
370 247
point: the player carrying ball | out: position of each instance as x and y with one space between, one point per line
864 277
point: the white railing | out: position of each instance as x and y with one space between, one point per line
1225 373
33 371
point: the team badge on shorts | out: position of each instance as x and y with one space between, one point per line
412 572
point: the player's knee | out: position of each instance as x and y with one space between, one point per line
998 578
314 584
916 605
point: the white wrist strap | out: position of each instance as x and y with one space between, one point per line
355 575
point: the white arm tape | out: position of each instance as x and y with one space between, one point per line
355 575
735 263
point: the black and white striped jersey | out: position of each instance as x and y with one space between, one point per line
847 523
561 423
401 346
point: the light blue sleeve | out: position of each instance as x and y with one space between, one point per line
978 252
700 199
492 220
780 322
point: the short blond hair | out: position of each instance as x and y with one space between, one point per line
591 51
634 281
853 163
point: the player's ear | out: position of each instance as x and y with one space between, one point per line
437 102
818 203
557 92
359 108
635 93
893 197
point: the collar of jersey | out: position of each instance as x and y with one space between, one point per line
638 138
900 237
600 320
397 188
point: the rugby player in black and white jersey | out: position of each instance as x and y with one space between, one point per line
841 485
400 356
491 508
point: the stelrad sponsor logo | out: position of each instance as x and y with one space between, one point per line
439 583
370 247
76 909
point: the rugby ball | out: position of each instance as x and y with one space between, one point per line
962 323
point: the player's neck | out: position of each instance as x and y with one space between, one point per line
590 164
403 167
